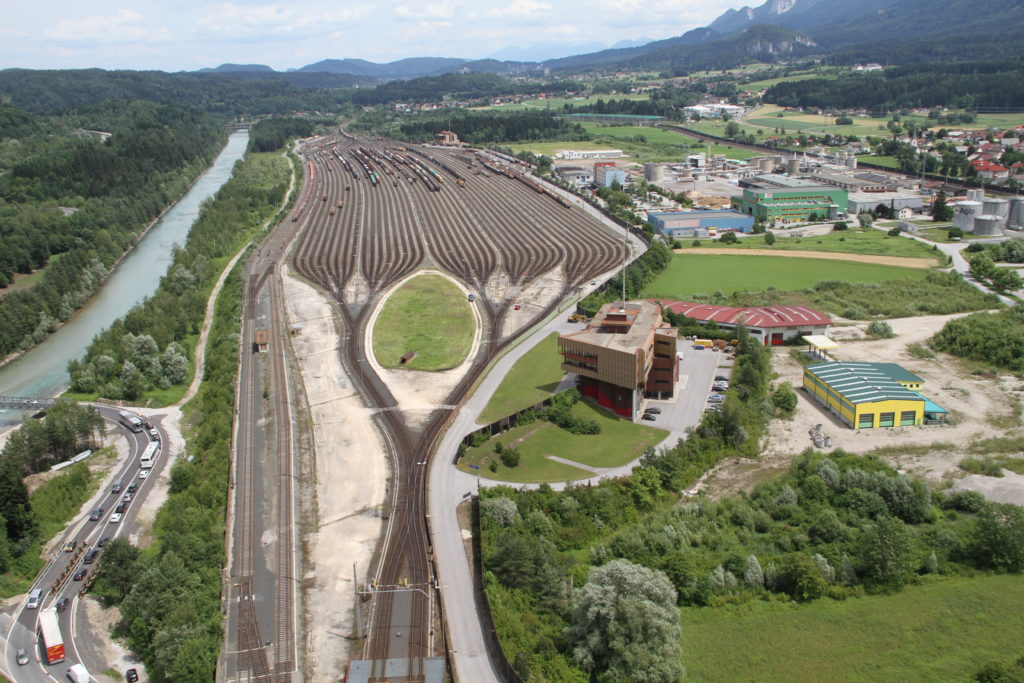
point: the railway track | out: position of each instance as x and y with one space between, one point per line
384 213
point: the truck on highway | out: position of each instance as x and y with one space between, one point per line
49 633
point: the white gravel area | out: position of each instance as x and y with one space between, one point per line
351 471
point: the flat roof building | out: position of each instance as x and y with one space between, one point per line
866 201
625 353
679 224
777 198
869 395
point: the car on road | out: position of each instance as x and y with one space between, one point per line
62 604
131 675
95 514
22 657
155 435
648 416
143 474
121 507
115 518
127 498
593 282
80 574
654 410
133 487
103 541
70 546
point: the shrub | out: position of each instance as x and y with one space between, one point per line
894 232
510 457
920 351
881 329
728 238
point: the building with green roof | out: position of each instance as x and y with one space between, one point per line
868 395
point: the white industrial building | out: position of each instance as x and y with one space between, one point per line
589 154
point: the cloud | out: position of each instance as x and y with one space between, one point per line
520 9
123 26
439 10
250 20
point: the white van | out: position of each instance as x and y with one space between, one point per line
34 598
78 674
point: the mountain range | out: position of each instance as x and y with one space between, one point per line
844 30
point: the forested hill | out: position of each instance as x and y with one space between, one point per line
965 85
225 95
117 184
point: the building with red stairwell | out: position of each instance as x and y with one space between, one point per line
626 353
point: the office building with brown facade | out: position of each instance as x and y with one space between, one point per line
625 353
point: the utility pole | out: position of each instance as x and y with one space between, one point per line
358 615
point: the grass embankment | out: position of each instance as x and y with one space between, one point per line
687 276
619 442
54 504
855 241
428 316
533 378
942 631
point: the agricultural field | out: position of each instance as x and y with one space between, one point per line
408 323
558 103
532 379
754 86
853 241
943 630
619 442
660 136
767 117
692 273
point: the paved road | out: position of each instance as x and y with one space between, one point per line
20 630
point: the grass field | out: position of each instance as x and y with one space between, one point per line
690 274
619 442
941 631
557 104
754 86
852 241
888 162
410 322
531 379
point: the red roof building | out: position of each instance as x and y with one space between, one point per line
773 324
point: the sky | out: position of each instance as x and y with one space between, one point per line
184 35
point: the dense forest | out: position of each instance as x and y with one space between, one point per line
237 94
483 127
962 86
270 135
113 184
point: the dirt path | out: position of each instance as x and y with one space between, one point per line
901 261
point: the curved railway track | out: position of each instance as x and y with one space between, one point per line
378 214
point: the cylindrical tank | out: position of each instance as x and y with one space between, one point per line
654 173
988 225
964 214
851 162
1016 218
975 195
792 166
996 206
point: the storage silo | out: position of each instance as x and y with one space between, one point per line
996 206
1016 219
851 162
792 166
975 195
654 173
988 225
964 213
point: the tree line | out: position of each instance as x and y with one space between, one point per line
993 338
484 127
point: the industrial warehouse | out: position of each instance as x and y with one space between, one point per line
626 353
869 395
774 324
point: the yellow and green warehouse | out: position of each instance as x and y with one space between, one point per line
869 395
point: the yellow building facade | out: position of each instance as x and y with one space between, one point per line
868 395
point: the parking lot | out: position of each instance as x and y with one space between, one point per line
697 371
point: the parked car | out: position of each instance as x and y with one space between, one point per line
720 386
648 416
62 604
131 675
716 398
115 518
70 546
80 574
654 409
698 347
721 378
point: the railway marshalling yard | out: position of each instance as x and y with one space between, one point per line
372 215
